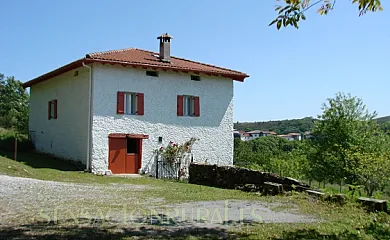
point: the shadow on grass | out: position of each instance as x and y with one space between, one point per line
102 229
314 234
40 160
375 230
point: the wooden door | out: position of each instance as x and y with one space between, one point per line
117 155
133 156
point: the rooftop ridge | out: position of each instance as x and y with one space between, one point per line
108 52
205 64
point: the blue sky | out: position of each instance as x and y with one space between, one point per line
292 71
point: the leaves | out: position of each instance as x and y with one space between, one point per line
345 126
292 11
13 104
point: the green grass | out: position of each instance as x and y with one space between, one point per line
335 222
44 167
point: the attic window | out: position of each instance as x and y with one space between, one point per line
152 73
195 78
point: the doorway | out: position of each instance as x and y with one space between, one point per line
125 153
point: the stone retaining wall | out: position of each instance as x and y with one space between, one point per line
233 177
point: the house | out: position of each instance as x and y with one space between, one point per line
291 136
111 110
260 133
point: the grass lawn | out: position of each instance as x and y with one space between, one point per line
334 221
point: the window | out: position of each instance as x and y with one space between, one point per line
130 103
188 106
195 78
52 109
132 145
152 73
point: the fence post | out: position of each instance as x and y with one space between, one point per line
157 165
16 147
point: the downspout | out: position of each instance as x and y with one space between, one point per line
88 165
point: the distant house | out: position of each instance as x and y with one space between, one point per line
246 137
260 133
291 136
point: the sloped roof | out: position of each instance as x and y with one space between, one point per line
141 58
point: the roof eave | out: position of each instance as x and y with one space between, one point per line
78 63
54 73
237 77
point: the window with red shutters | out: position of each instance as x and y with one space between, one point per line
130 103
180 105
188 106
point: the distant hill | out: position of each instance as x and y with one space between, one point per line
280 127
383 119
287 126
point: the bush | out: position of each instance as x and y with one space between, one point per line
7 141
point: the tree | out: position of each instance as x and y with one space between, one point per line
291 12
13 104
344 126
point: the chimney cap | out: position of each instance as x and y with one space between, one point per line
164 36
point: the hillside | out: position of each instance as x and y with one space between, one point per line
383 119
280 127
288 125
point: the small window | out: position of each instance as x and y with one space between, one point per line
152 73
132 145
52 109
195 78
130 103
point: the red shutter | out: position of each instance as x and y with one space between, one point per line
180 101
55 109
196 107
49 110
120 107
140 104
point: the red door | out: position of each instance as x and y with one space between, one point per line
124 154
117 155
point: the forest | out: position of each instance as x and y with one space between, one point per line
349 147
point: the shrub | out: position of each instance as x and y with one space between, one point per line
7 141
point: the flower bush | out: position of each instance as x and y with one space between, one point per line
174 152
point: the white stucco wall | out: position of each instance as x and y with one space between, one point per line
66 136
213 127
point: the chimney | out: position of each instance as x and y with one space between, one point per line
165 47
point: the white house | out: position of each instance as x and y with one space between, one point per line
259 133
111 110
291 136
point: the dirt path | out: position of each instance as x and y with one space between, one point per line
29 200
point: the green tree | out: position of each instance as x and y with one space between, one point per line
344 125
385 126
291 12
371 169
13 104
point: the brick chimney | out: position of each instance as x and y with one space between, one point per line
165 47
